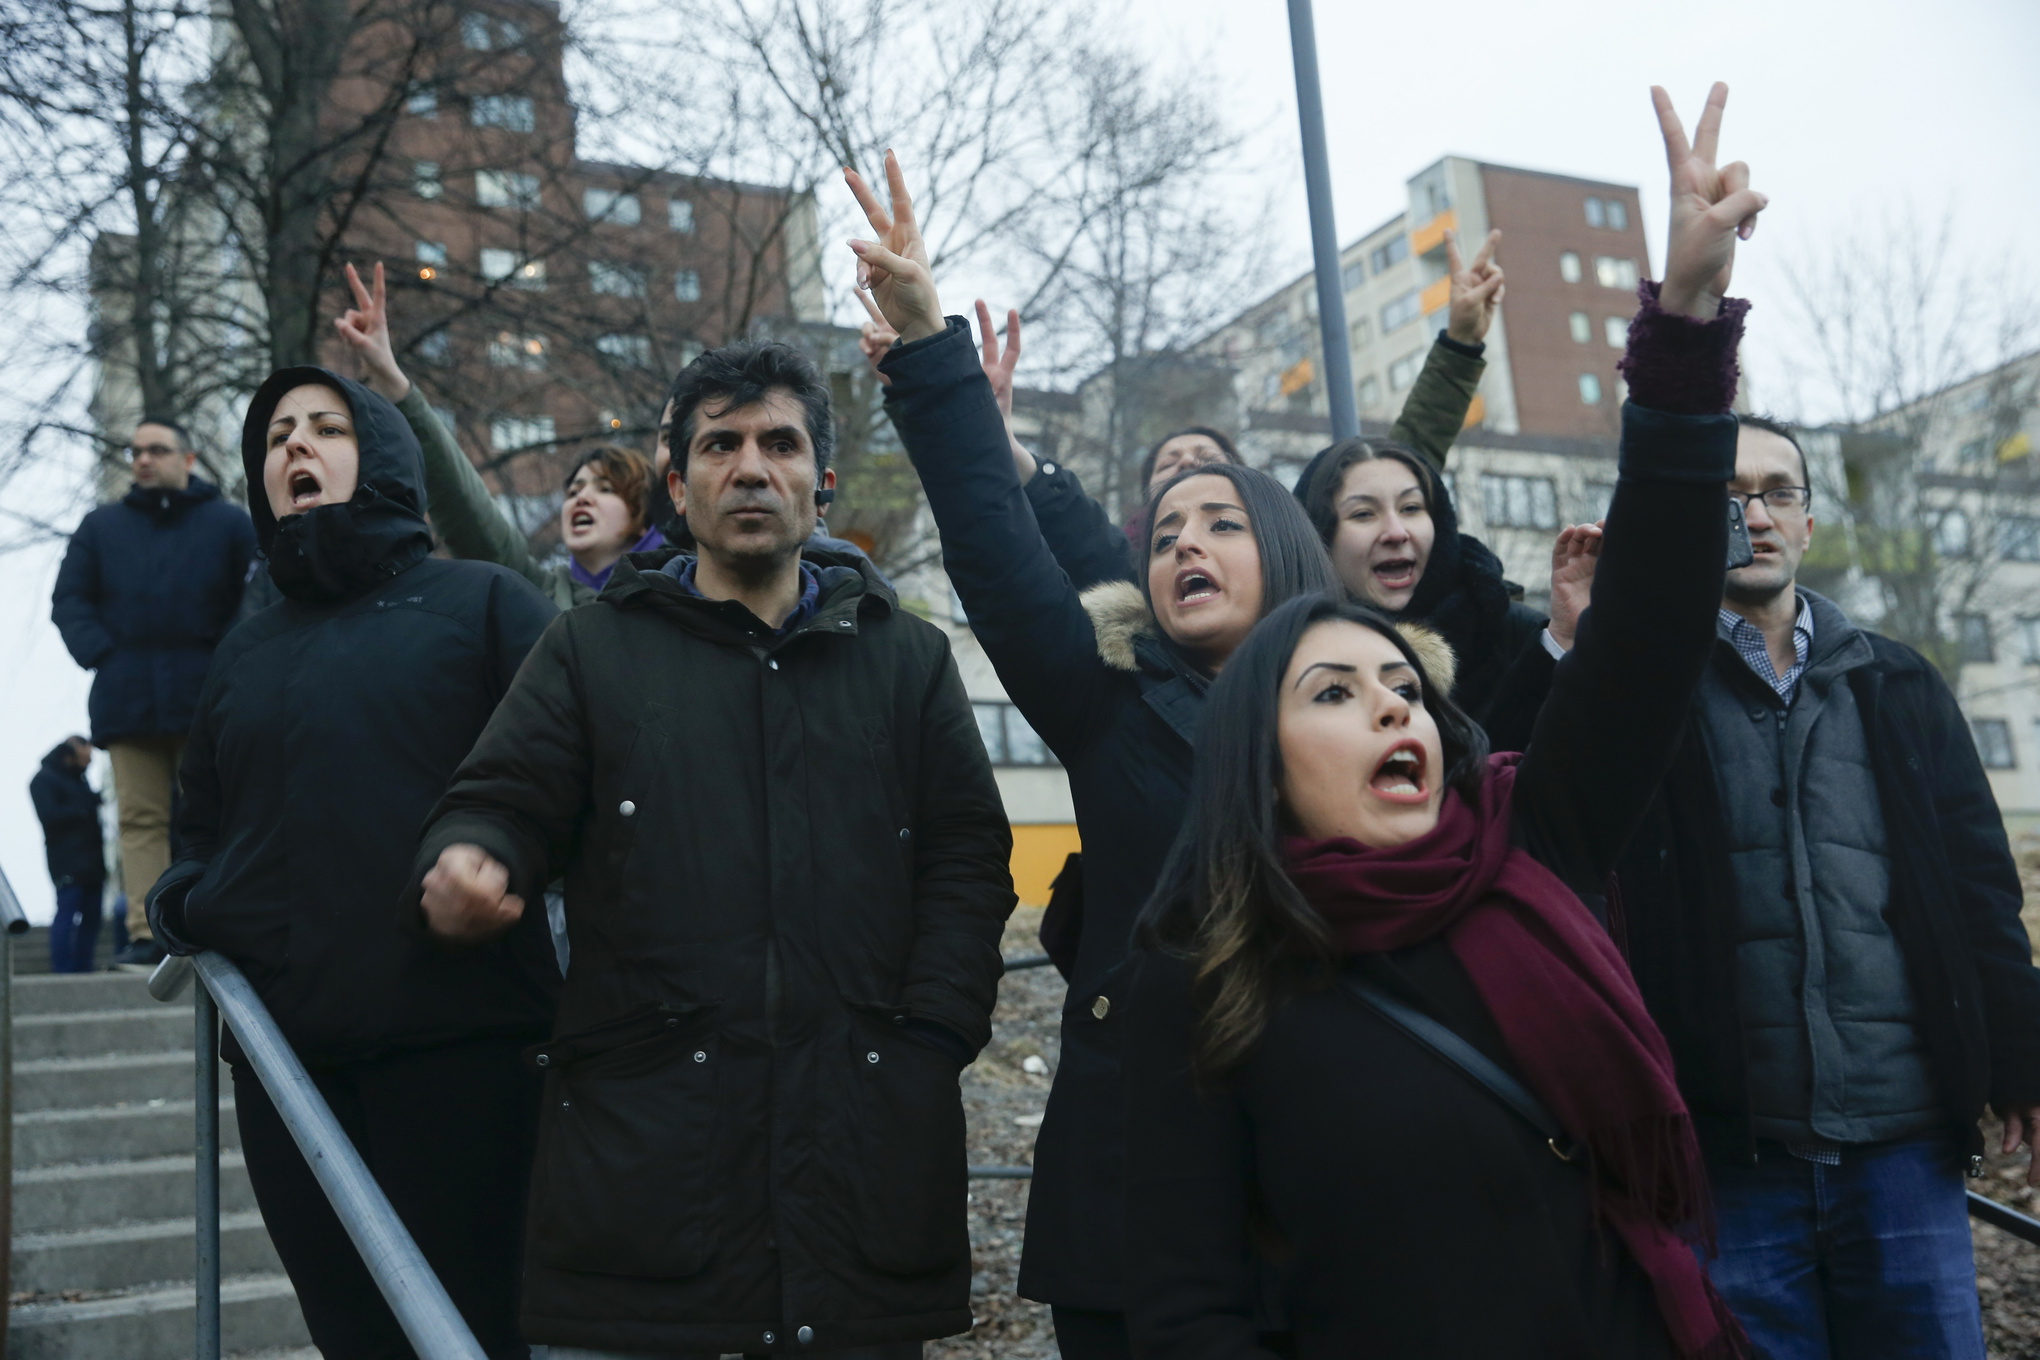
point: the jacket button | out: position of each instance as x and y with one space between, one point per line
1102 1007
768 1338
805 1335
773 664
627 808
872 1056
905 835
1778 797
543 1060
1049 468
701 1055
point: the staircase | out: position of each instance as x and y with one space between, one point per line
103 1249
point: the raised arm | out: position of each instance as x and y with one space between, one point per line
1435 411
1619 700
1021 605
463 512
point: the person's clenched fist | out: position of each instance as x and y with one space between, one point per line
468 897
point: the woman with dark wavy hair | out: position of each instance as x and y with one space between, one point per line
1391 1088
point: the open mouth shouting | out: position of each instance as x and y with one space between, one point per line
581 519
1401 775
1396 573
304 489
1194 585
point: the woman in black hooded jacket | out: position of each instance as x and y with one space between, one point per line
329 726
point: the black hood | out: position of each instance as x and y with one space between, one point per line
336 552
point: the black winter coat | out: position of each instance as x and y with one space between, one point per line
149 586
785 863
68 809
1408 1212
1120 711
327 730
1955 900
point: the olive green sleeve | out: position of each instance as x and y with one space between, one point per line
464 514
1436 408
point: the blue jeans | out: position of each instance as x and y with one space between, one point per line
1860 1261
74 931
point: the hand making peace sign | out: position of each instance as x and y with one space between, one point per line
1476 290
1711 209
895 267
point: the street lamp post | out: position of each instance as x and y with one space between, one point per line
1324 236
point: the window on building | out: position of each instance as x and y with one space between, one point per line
1994 743
520 432
422 102
1615 330
611 205
1596 216
616 280
432 252
1404 371
477 33
1353 275
506 189
1569 266
1951 534
2029 641
1391 252
1008 738
1582 327
2021 539
1612 272
1618 214
503 266
436 348
1518 502
1973 638
1595 498
1369 391
627 349
687 285
680 214
425 179
1362 333
1590 389
511 111
1401 312
508 349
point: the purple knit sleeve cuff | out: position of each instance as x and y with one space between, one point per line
1680 365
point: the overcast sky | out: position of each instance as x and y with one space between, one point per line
1846 114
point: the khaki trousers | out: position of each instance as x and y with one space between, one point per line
144 774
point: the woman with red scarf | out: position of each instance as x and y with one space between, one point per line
1391 1090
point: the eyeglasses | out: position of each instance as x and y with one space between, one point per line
1786 498
139 451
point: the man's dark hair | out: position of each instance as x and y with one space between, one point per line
740 375
1225 446
1770 425
175 427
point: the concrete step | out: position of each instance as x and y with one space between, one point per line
257 1312
94 1034
118 1257
54 1199
112 1133
115 1079
32 949
65 993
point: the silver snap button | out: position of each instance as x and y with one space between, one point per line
701 1055
805 1335
1102 1007
566 1104
1049 468
543 1060
872 1056
627 808
768 1338
773 664
906 834
843 623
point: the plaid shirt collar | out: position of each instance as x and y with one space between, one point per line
1748 641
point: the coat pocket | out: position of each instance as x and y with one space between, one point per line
908 1168
627 1147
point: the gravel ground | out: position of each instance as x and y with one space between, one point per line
1004 1093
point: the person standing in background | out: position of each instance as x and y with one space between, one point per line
68 809
149 586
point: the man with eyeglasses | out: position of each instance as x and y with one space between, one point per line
1823 913
149 586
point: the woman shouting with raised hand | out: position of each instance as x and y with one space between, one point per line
1114 681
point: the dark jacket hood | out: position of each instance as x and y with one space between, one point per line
336 552
154 500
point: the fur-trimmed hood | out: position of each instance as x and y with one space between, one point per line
1120 617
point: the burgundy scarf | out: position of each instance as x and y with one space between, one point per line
1568 1010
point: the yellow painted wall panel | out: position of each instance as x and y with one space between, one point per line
1429 236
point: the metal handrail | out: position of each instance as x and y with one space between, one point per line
429 1319
2006 1217
13 921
